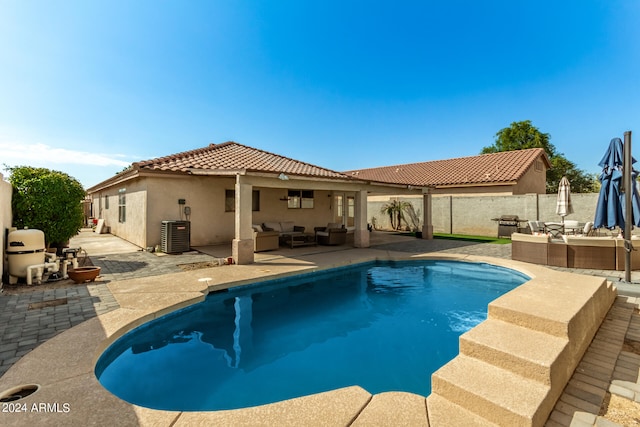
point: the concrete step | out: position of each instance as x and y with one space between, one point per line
493 393
443 412
556 306
532 354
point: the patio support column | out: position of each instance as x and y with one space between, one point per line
427 223
242 247
361 233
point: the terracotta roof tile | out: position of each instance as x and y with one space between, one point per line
232 156
501 167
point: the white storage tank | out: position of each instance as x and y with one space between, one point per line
24 248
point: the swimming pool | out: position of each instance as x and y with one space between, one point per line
384 326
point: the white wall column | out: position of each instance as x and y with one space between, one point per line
361 234
427 223
242 246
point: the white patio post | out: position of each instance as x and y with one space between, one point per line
242 247
361 234
427 223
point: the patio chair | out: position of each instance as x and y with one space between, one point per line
572 226
536 226
332 234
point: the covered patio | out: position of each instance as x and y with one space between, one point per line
348 206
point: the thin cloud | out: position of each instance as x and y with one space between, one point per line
38 154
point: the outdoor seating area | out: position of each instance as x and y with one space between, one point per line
558 229
271 235
573 251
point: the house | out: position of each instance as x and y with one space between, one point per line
223 189
508 172
468 192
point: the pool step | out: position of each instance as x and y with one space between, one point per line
443 412
531 354
556 306
495 394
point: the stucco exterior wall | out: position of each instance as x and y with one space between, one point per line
274 209
150 200
5 218
533 181
133 228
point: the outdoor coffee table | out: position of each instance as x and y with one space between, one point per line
300 239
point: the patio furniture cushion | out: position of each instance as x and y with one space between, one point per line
257 227
272 226
588 229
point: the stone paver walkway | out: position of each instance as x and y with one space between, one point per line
29 319
605 368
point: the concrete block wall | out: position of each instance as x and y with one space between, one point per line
473 214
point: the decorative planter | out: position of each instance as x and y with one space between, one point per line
84 274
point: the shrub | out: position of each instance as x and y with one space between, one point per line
46 200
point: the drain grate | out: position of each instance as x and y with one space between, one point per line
18 393
51 303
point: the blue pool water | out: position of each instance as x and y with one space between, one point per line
382 326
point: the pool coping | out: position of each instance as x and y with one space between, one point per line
64 365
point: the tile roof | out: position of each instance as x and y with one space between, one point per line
231 156
503 167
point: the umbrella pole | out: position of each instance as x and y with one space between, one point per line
628 191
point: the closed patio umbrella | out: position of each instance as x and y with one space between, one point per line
610 212
563 204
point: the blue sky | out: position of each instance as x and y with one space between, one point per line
87 87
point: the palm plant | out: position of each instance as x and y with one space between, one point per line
395 210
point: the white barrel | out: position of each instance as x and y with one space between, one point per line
24 248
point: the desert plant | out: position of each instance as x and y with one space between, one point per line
412 217
395 210
46 200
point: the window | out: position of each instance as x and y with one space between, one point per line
300 199
122 205
230 200
106 202
351 211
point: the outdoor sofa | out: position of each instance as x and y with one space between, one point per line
285 229
597 253
264 240
333 234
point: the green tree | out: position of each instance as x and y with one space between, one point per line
523 135
46 200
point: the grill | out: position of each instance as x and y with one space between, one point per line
508 224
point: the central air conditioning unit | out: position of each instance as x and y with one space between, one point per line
175 236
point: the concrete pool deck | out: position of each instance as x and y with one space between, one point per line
63 365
